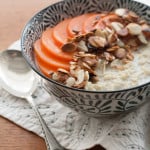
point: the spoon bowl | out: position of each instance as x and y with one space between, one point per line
18 79
15 75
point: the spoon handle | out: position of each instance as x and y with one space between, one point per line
51 142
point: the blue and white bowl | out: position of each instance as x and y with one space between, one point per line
91 103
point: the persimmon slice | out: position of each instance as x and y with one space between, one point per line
76 24
51 49
47 61
60 33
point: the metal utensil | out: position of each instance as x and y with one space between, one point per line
18 79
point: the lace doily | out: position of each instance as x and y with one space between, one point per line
129 131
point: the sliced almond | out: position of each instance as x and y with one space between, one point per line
133 15
102 33
82 46
100 41
69 47
112 38
142 38
134 28
86 75
55 76
120 53
130 56
70 81
108 56
63 71
81 85
80 76
86 66
97 41
120 43
121 12
117 26
145 27
112 49
123 32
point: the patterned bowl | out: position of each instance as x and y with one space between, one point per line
91 103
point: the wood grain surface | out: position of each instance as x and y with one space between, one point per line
14 14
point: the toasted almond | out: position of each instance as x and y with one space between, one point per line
145 28
120 43
86 75
69 47
63 70
142 21
142 38
97 41
92 42
108 56
83 54
102 33
73 63
86 65
108 30
112 38
121 11
120 53
113 48
133 15
117 26
123 32
125 61
134 28
82 46
70 81
55 76
81 85
130 56
80 76
72 67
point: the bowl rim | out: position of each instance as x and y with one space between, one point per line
57 83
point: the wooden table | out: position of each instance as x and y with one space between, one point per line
14 14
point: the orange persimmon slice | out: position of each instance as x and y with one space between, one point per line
47 61
76 24
51 49
60 33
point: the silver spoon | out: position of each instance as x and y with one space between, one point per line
18 79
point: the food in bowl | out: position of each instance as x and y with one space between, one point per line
97 51
92 103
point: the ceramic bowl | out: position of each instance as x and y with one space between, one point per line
91 103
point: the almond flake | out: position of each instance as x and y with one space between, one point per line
70 81
123 32
117 26
134 28
120 53
80 76
142 38
82 46
121 12
97 41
